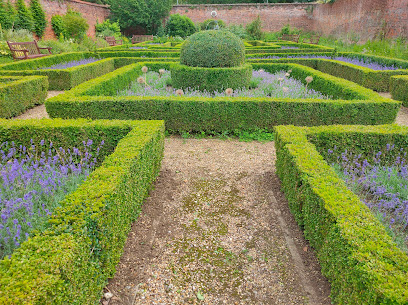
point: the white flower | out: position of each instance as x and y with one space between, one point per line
285 89
309 79
280 79
229 91
287 74
141 80
161 71
179 92
261 70
290 71
145 69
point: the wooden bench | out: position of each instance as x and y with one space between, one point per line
141 38
312 40
291 37
112 41
27 50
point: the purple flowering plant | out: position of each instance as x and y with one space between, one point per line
71 64
382 185
366 63
34 180
263 84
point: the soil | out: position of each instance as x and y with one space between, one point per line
217 230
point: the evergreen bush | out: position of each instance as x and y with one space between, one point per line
24 18
179 25
39 17
75 26
254 29
213 49
57 25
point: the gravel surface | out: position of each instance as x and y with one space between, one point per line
38 112
217 230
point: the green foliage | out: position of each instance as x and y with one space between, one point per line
39 17
254 29
107 28
354 104
64 79
362 263
210 24
399 88
288 30
6 16
74 25
238 29
24 18
213 49
210 79
57 25
17 94
86 235
144 13
179 25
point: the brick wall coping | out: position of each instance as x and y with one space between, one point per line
90 3
237 5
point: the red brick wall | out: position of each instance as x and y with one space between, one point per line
92 12
365 19
273 16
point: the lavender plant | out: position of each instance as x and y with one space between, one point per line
367 63
34 180
383 188
72 64
263 84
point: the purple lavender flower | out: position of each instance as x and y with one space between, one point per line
71 64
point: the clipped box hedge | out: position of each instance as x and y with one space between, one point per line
19 93
399 88
353 104
71 261
60 79
378 80
362 263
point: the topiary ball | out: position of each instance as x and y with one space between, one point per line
213 49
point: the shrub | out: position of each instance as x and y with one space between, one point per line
254 29
107 28
210 24
57 25
75 26
213 49
399 88
39 17
6 16
24 18
287 30
238 29
211 79
179 25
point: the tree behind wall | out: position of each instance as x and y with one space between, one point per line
140 13
39 17
24 19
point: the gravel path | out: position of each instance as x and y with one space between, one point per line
38 112
217 230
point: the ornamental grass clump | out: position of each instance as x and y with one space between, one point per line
382 185
34 180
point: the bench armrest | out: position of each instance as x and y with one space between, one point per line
46 48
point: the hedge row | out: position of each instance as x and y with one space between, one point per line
71 261
210 79
378 80
353 105
60 79
18 94
362 263
399 88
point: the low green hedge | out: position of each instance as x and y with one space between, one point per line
353 104
60 79
70 262
362 263
210 79
18 94
399 88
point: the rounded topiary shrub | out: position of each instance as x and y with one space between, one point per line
212 49
210 79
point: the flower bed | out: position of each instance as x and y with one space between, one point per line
60 79
21 93
352 105
378 80
84 238
73 63
362 263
